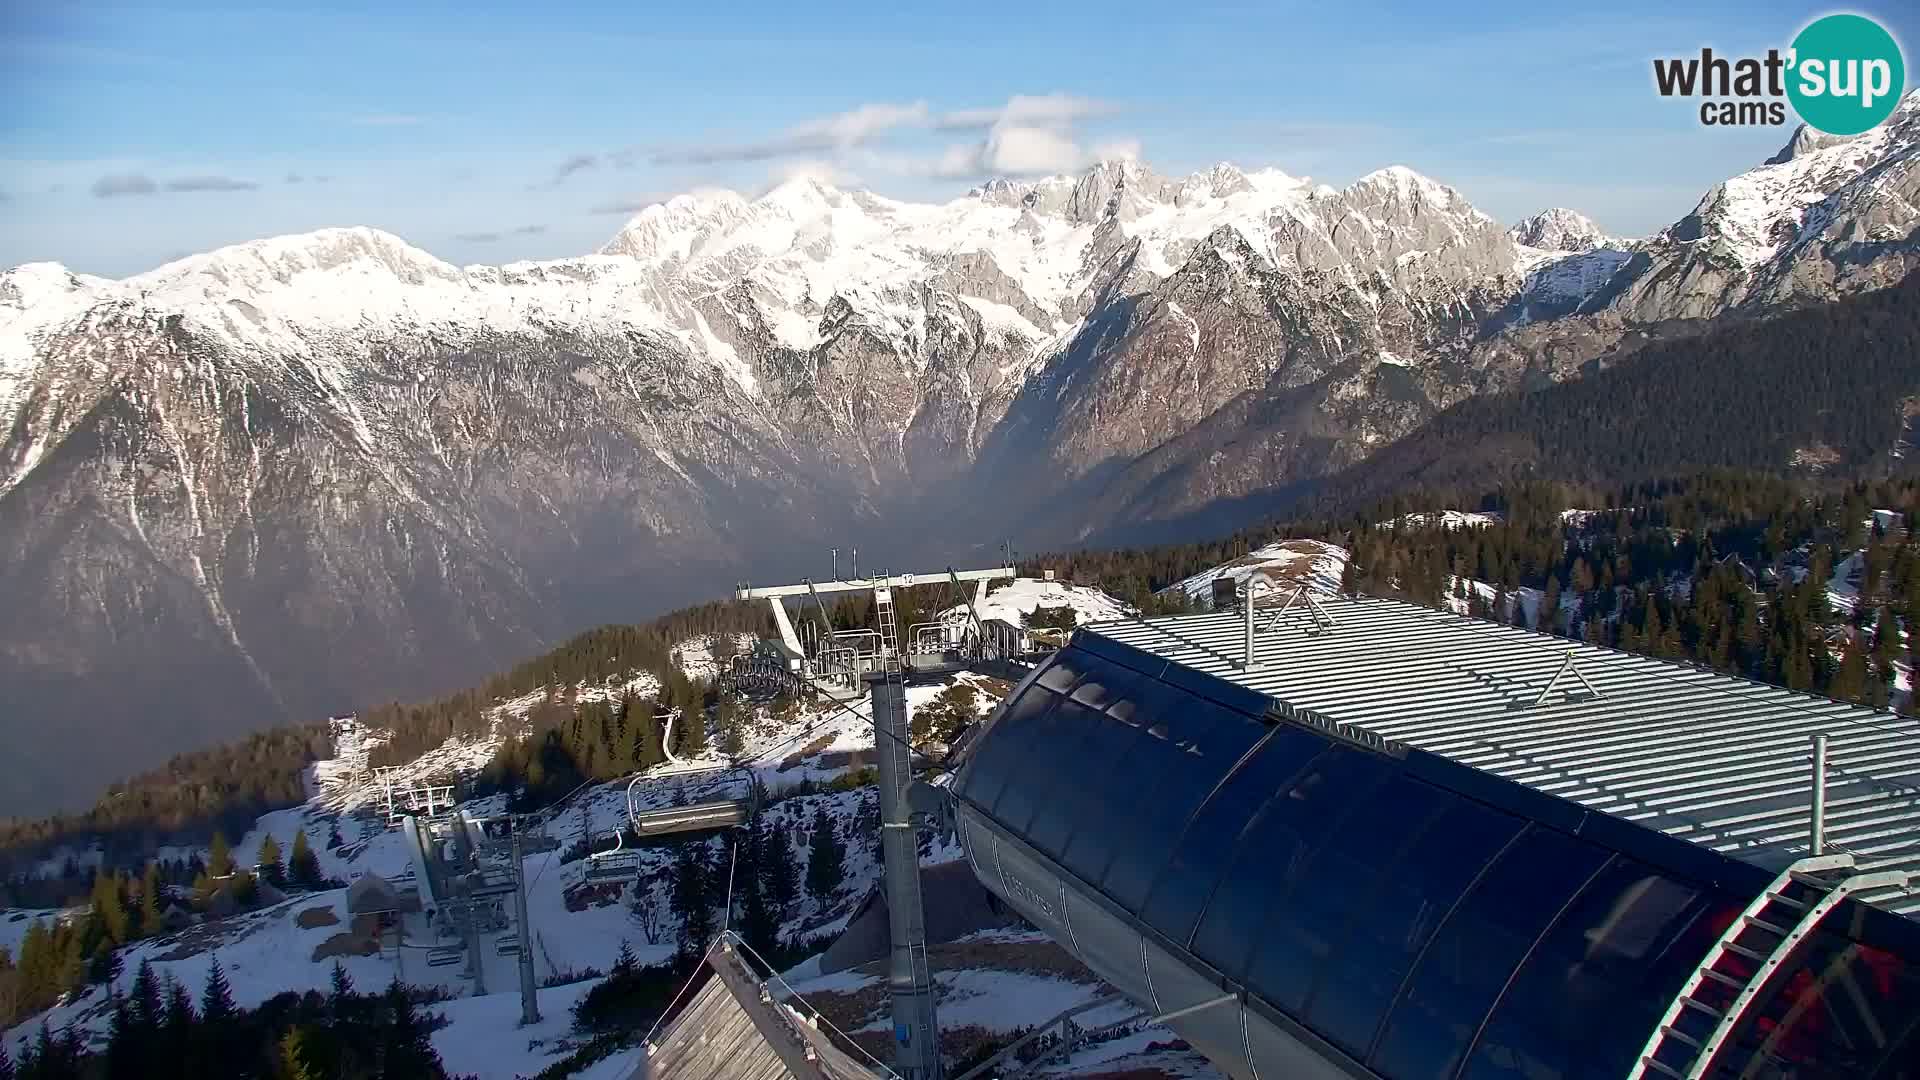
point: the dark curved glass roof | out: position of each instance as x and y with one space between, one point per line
1425 918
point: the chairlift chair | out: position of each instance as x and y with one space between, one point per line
614 864
708 810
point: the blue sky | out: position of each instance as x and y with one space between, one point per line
130 135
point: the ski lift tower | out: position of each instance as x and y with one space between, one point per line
915 1032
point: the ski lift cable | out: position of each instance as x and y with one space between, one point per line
733 857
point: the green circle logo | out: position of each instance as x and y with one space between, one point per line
1846 74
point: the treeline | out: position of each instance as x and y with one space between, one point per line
159 1032
1728 570
223 788
1824 387
226 788
569 741
599 657
65 955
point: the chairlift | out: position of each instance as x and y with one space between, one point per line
615 863
709 809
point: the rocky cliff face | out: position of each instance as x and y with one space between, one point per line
1561 229
306 472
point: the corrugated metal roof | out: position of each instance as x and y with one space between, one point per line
1717 760
728 1031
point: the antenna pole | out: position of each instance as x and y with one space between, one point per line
1817 838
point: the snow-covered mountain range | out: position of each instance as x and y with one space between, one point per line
309 471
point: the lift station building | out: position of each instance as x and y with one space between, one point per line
1369 839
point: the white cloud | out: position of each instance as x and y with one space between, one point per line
1019 150
826 172
860 124
1030 110
827 134
1031 135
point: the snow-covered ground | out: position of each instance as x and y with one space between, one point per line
1445 519
484 1037
1281 566
1019 598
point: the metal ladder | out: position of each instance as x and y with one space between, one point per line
1701 1017
889 631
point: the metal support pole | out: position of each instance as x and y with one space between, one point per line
915 1032
1817 844
1246 606
529 993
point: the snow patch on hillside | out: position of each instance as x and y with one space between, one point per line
1445 519
1281 566
1019 598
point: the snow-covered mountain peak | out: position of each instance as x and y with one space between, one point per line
280 261
801 196
1561 229
1754 216
671 230
34 283
1408 185
1806 140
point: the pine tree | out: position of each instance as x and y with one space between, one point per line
690 726
70 971
44 1061
625 962
1850 680
303 866
216 1000
728 716
176 1033
128 1054
1652 633
690 898
150 899
1886 645
9 989
826 858
299 1057
267 861
757 922
110 908
780 878
407 1049
6 1063
340 997
220 858
146 998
